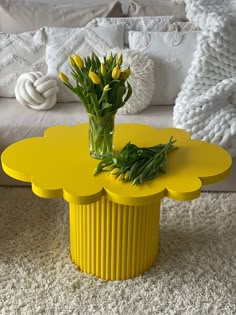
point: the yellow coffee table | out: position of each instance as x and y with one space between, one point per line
114 226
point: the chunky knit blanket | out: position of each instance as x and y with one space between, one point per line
206 104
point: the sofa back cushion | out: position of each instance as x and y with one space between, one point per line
137 23
20 53
157 7
27 15
172 53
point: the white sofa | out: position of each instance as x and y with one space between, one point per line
18 122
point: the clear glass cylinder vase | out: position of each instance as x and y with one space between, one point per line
101 130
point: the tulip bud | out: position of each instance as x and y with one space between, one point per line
108 168
121 177
114 171
126 73
94 77
63 77
119 59
103 69
79 61
116 73
109 57
127 175
71 61
106 87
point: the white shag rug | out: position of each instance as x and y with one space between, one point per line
195 273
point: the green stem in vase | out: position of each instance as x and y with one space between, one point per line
101 129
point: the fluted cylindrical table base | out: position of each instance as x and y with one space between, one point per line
114 241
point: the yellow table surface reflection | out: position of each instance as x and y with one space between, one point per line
114 226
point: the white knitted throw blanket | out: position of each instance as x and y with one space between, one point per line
206 104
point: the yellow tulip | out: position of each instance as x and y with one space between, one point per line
63 77
126 175
114 171
115 73
103 69
79 61
109 57
126 73
94 77
119 59
71 61
121 177
106 87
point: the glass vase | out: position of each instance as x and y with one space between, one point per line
101 129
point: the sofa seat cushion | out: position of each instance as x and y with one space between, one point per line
18 122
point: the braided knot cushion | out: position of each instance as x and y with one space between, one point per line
36 91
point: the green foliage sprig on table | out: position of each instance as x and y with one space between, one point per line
102 87
137 164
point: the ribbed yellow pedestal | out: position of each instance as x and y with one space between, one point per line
113 241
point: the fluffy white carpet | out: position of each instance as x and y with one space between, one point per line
195 273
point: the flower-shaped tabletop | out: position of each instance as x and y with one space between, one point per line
59 165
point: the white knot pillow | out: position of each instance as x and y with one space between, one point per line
36 91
